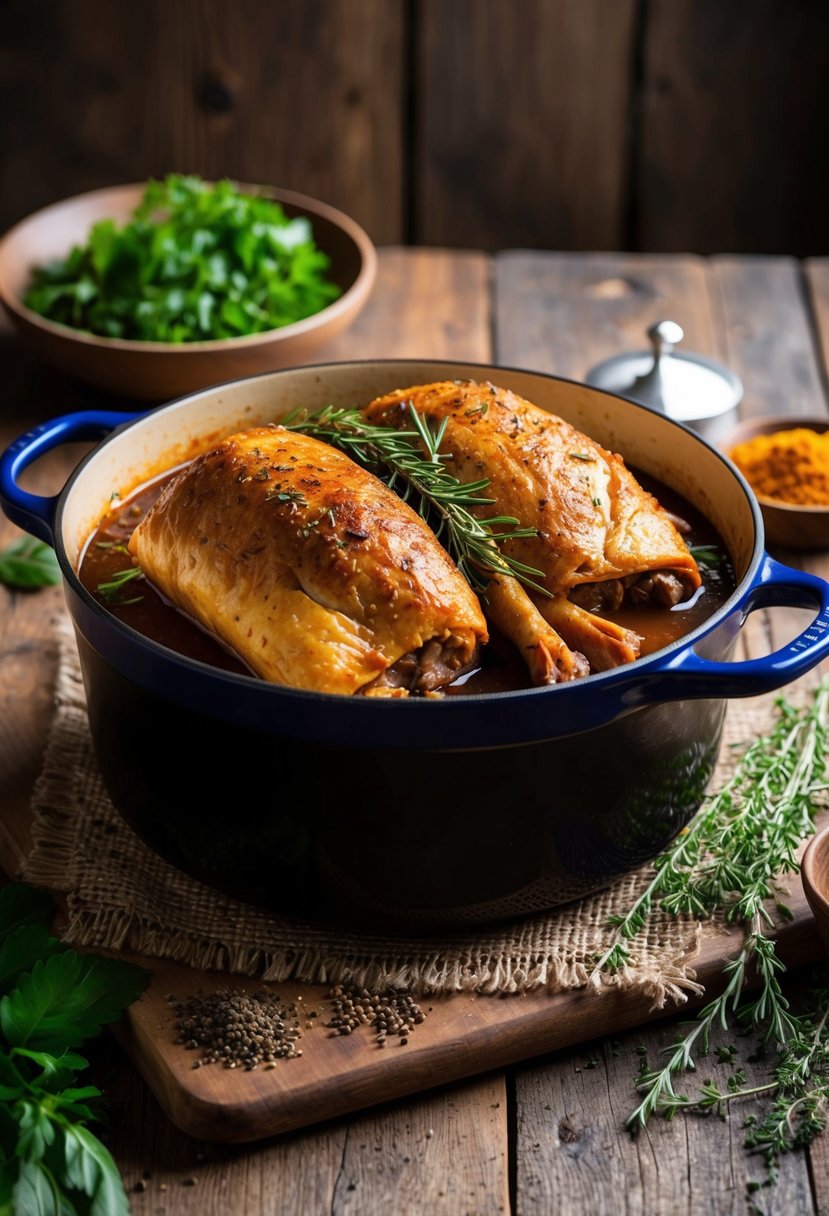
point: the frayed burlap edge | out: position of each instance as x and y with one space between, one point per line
119 895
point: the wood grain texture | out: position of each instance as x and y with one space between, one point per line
770 342
563 313
443 1153
733 103
816 271
461 1036
293 94
428 304
769 335
573 1152
520 140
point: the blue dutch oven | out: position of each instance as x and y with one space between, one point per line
408 812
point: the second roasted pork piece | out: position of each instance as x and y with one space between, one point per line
309 569
600 537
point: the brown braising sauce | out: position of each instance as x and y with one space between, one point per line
139 605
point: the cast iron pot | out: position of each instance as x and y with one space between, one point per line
408 812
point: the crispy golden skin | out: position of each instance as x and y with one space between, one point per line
309 569
594 522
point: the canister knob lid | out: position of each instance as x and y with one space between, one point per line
686 386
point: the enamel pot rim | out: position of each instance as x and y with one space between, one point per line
523 716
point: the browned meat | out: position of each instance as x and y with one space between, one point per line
308 568
594 523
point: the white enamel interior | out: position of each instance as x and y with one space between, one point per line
645 439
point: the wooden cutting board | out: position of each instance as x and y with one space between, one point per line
462 1035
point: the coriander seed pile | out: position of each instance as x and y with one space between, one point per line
238 1031
392 1013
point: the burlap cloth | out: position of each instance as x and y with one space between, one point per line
121 895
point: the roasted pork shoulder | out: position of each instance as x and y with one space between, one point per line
601 539
309 569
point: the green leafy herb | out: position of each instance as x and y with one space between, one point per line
707 557
410 462
111 591
53 999
196 262
742 840
27 564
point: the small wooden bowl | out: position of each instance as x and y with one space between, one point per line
158 370
814 873
786 523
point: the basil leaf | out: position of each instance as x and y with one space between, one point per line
66 999
27 564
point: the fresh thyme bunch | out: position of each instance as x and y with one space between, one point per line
411 463
743 839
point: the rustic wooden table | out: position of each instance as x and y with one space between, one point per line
545 1136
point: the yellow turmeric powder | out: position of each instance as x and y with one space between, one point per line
787 466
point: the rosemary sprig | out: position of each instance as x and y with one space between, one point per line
411 463
111 591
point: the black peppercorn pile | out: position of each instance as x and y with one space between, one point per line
238 1031
392 1013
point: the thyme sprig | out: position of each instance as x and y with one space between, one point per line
411 463
744 836
741 842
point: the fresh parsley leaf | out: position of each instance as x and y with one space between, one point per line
12 1083
36 1193
91 1170
196 262
21 949
28 564
37 1131
66 999
57 1071
50 1163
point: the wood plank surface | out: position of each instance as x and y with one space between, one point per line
769 335
308 96
563 313
731 98
573 1153
519 139
817 281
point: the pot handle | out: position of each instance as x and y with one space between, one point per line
35 513
774 585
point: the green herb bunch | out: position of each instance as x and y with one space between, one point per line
196 262
411 463
27 564
741 843
51 1001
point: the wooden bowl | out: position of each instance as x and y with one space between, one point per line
158 370
814 872
787 524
